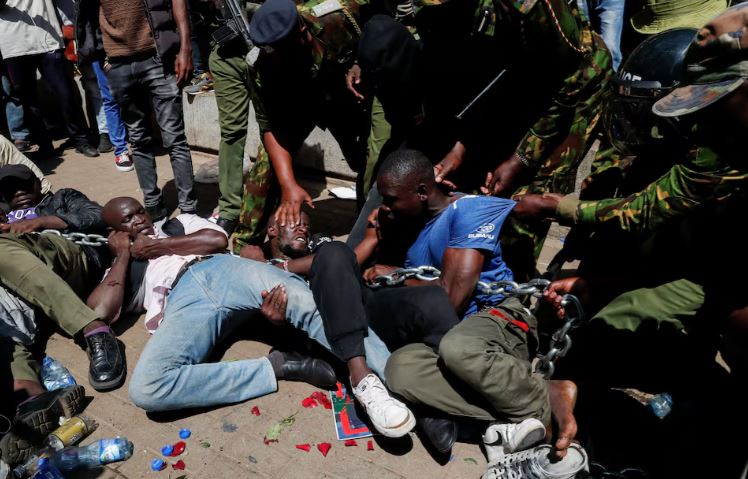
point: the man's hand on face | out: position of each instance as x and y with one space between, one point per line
292 198
252 252
274 303
573 285
537 206
353 78
371 274
119 243
183 66
505 178
144 247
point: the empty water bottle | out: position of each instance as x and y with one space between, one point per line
661 405
47 470
55 375
99 453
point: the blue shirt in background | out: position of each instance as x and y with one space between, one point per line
469 222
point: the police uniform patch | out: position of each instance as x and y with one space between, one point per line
326 7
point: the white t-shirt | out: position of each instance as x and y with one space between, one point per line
28 27
162 271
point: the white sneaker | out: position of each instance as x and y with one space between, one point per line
388 415
500 439
536 464
123 162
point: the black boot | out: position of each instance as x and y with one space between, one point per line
228 225
440 432
309 370
107 368
36 418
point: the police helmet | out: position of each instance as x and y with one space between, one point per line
652 71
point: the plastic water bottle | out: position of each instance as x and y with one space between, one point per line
661 405
46 470
99 453
55 375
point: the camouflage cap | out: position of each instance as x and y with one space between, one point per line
716 64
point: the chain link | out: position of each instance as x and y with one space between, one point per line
560 340
79 238
535 288
424 273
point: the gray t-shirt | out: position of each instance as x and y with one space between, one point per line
28 27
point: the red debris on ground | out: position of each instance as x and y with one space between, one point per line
350 442
179 448
309 402
179 465
256 411
370 445
304 447
268 441
322 398
324 448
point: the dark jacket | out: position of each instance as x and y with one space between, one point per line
74 208
88 34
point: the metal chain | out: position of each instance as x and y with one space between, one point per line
79 238
535 288
424 273
560 340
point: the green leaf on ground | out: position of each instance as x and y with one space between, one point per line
470 460
275 431
204 444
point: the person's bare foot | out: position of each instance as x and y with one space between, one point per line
563 397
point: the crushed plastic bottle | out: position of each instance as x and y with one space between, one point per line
46 470
96 454
661 405
31 465
55 375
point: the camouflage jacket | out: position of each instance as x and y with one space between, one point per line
333 50
550 39
701 179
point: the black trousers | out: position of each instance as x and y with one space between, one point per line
399 315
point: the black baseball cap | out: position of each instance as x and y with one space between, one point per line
22 172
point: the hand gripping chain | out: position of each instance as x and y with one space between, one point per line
424 273
79 238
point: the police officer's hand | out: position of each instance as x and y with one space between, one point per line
274 303
289 212
505 178
575 285
449 164
22 226
119 243
353 78
536 207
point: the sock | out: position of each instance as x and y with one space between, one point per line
100 329
276 360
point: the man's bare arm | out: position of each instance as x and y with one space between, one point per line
461 270
205 241
106 299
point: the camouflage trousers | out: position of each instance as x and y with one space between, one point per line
558 171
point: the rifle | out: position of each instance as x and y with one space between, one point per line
235 25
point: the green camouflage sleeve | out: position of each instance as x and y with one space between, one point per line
255 94
674 194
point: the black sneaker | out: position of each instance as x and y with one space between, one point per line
36 418
22 145
105 144
107 368
87 150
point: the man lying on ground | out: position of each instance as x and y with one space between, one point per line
210 296
481 367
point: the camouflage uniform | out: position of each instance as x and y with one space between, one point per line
292 107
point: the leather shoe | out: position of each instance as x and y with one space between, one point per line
87 150
107 368
440 432
309 370
36 418
228 225
157 212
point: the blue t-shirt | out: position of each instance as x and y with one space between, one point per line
470 222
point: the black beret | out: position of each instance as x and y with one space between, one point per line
273 21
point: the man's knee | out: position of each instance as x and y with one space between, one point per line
147 390
399 370
334 253
458 351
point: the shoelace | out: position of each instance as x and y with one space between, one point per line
373 392
518 465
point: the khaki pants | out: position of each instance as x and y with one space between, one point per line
482 369
51 274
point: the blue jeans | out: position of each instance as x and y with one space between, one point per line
213 299
606 17
14 113
115 125
138 86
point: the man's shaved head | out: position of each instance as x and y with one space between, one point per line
406 168
127 214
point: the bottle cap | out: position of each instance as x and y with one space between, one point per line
184 433
158 465
167 450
